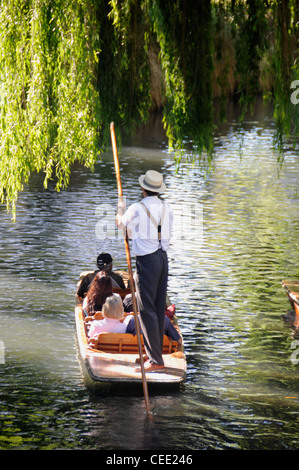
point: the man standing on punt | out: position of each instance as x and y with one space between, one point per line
150 222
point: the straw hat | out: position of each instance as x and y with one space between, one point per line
152 181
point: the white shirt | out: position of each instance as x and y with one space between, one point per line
107 325
144 233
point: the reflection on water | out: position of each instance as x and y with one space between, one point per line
235 239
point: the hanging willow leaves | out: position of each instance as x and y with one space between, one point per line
286 68
250 30
123 73
68 68
183 32
49 104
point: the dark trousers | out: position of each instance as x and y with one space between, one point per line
151 289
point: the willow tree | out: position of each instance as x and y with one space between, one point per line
183 31
70 67
286 66
49 113
123 71
250 30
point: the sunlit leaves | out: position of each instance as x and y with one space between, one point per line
286 68
183 32
49 112
69 68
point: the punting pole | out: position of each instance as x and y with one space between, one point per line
128 256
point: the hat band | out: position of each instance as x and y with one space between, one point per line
152 185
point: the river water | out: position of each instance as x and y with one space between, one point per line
235 239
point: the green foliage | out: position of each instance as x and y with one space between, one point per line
123 73
250 28
286 68
68 68
183 32
49 114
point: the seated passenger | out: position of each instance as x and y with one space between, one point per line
113 311
100 289
104 263
169 329
128 306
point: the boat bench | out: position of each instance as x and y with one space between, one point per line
99 316
121 292
126 343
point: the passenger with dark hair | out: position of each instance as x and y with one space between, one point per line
104 263
100 289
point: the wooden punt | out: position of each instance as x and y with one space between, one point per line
292 290
110 360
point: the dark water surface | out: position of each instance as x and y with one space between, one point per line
235 239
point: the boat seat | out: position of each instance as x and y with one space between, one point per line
121 292
99 316
126 343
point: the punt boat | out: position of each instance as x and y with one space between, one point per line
109 361
292 290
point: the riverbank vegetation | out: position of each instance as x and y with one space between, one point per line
69 68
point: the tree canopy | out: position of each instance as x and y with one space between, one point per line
70 67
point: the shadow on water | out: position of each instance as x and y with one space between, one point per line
235 239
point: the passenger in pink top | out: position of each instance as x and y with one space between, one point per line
113 311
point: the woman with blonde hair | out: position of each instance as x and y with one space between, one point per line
113 311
